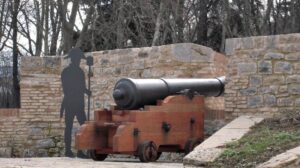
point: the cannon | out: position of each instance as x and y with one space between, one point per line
151 116
132 94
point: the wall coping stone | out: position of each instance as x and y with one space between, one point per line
214 146
290 158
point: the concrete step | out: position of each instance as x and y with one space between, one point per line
288 159
214 146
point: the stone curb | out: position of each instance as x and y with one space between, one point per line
290 158
213 147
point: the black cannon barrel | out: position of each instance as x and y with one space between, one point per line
135 93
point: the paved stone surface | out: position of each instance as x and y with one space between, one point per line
63 162
213 147
290 158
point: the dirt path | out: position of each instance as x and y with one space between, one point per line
63 162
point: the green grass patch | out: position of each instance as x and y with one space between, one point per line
264 141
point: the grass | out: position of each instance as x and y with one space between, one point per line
267 139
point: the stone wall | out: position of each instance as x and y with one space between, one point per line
263 75
37 130
8 117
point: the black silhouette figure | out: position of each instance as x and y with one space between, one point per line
74 88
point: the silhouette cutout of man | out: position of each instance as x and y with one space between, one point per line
74 88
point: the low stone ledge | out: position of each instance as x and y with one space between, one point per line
290 158
214 146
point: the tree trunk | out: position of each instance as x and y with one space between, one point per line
46 45
67 26
255 17
159 21
86 23
202 27
16 86
55 28
179 21
267 27
247 18
39 26
120 26
224 24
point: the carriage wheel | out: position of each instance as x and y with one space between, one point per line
190 145
97 157
147 152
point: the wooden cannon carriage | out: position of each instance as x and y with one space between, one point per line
174 124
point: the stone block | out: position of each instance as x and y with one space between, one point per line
104 61
293 79
289 38
294 89
255 101
248 91
289 48
271 42
246 68
273 79
255 80
202 54
289 159
247 43
283 68
188 52
202 157
143 54
42 153
297 102
272 55
297 68
52 62
270 100
5 152
230 46
285 102
28 153
293 56
265 67
45 143
182 52
35 131
125 59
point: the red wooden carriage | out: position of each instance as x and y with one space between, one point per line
173 125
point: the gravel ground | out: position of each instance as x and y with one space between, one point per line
64 162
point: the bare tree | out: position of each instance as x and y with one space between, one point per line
67 24
55 23
5 27
16 86
86 23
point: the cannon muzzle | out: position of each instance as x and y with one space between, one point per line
132 94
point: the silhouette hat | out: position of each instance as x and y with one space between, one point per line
75 53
